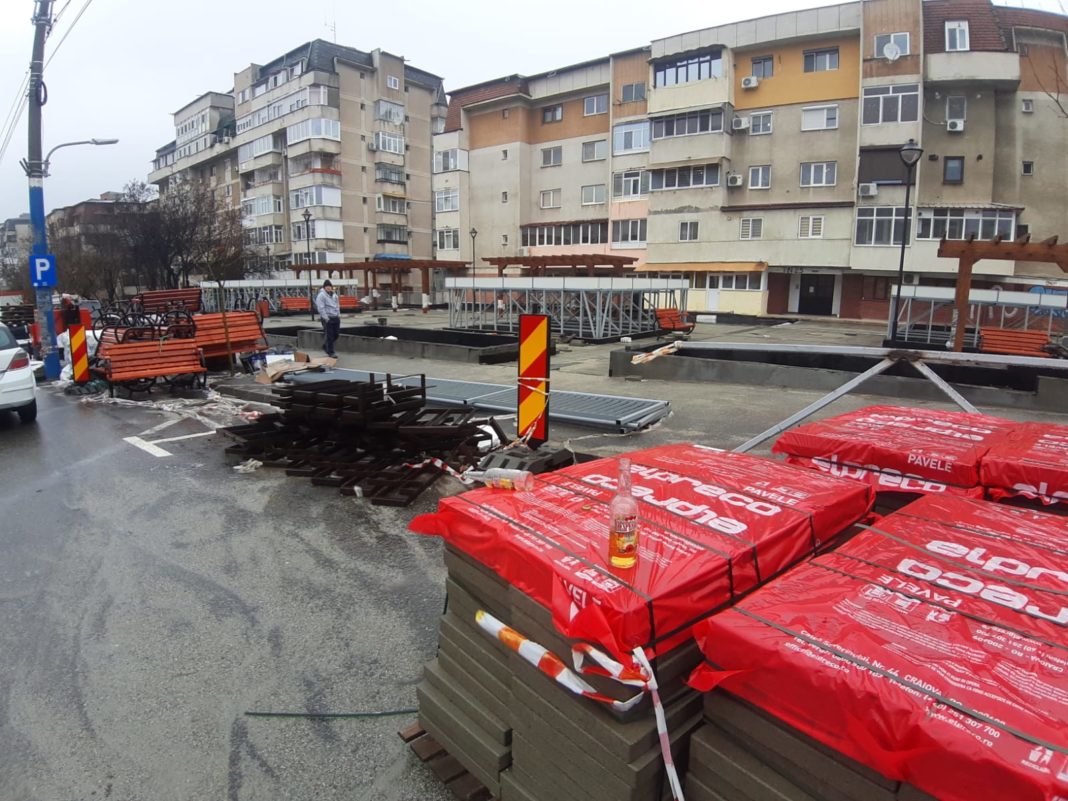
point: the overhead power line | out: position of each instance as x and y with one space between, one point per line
66 33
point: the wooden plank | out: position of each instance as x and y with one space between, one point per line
446 767
468 788
409 733
426 747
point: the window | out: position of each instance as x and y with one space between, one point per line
819 173
390 204
595 104
393 233
552 156
389 174
314 196
899 39
268 204
447 200
760 177
1027 105
956 107
319 128
257 147
763 67
897 103
821 60
504 197
810 228
389 142
592 194
504 155
550 199
393 82
437 125
593 233
633 91
688 231
505 112
630 184
448 239
962 223
883 165
446 160
760 123
552 113
1028 168
956 36
685 70
875 288
953 170
685 177
742 281
819 118
688 124
628 233
880 225
630 137
389 112
595 151
751 228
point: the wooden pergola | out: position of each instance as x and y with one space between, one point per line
578 263
394 268
969 251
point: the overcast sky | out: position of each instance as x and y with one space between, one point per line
127 65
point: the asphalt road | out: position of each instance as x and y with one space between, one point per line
147 603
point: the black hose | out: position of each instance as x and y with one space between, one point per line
383 714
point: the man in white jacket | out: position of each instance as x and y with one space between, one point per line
329 308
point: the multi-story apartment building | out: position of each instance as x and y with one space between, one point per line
761 159
342 134
16 239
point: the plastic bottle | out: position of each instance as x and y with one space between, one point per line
503 478
623 521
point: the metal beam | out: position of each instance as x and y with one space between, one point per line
937 380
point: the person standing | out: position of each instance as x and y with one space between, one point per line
329 308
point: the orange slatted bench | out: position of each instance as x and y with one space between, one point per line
246 333
1013 342
161 300
288 305
673 320
349 303
133 362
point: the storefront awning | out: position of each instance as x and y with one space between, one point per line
705 267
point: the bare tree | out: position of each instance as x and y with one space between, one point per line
1051 80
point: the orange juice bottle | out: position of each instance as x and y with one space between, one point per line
623 521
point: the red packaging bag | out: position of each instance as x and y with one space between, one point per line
1031 462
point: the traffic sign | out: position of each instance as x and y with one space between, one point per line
43 270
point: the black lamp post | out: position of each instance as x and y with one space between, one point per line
307 239
910 154
474 236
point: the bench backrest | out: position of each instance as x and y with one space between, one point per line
294 304
1014 341
159 300
130 360
244 328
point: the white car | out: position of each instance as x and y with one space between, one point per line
18 388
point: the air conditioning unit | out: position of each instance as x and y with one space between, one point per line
735 179
524 251
750 82
910 279
740 124
371 146
868 190
955 126
226 140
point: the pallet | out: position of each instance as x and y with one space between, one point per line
446 767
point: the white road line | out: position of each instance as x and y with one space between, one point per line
147 447
186 436
160 427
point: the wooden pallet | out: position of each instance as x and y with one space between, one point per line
446 767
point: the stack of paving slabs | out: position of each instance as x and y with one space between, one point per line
374 438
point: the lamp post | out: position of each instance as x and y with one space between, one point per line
910 154
474 236
307 238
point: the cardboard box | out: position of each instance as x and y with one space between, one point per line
273 373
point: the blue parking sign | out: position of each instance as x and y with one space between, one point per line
43 270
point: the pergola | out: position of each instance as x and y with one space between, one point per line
394 268
540 265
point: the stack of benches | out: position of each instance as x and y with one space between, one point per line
157 301
244 329
136 364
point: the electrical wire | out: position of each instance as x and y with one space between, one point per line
14 115
66 33
384 714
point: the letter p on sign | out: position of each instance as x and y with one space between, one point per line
43 270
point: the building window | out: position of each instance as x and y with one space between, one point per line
552 113
957 107
760 177
956 36
688 231
630 184
552 156
897 103
504 197
437 125
397 234
819 173
883 165
763 67
760 123
708 121
389 142
628 233
505 112
633 91
1027 105
595 104
686 70
318 128
630 137
393 82
595 233
963 223
875 288
752 282
810 228
900 40
592 194
751 228
550 199
880 225
685 177
389 112
312 196
447 200
390 204
953 170
447 160
821 60
448 239
595 151
819 118
389 174
504 155
1028 168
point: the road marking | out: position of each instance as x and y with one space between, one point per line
186 436
147 447
160 427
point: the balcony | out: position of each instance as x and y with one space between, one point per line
695 149
999 70
318 176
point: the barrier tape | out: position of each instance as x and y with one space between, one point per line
666 350
443 467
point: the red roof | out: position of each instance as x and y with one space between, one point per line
1029 18
480 94
984 30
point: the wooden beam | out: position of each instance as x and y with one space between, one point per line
960 306
1047 251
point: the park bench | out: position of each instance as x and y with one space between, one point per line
156 301
349 303
1014 342
288 305
673 320
136 365
246 333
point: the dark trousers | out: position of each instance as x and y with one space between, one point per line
331 328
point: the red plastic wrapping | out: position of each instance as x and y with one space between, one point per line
713 525
1032 462
898 449
931 647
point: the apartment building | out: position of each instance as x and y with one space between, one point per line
339 133
16 240
761 159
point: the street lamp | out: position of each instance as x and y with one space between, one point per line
307 238
910 154
474 236
37 171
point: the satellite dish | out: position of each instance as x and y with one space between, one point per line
891 51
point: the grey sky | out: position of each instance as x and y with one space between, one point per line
128 64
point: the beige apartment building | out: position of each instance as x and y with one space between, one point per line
339 133
761 159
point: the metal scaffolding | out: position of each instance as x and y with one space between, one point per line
586 308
